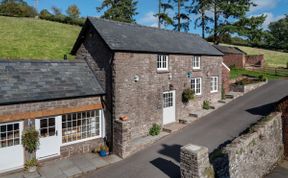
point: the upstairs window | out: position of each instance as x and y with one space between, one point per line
214 84
196 85
196 62
162 63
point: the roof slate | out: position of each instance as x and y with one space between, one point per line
131 37
229 49
24 81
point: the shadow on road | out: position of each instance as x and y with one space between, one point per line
172 151
263 110
167 167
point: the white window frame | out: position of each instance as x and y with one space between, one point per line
20 129
214 84
196 62
162 62
197 81
101 131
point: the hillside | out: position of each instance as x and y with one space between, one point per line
272 58
26 38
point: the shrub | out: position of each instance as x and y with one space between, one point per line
45 15
17 9
30 139
262 78
206 105
155 130
187 95
30 163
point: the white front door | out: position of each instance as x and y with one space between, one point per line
50 137
11 149
169 113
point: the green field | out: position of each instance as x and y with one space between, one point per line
272 58
27 38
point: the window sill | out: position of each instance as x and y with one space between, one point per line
162 71
214 91
79 141
196 70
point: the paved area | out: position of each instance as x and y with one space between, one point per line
72 167
161 160
281 171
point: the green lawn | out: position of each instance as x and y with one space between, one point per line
28 38
234 73
272 58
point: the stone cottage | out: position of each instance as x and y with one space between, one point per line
62 100
144 71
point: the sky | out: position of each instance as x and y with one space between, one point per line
274 9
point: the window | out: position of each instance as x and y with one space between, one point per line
162 62
82 125
196 62
214 84
9 135
47 127
167 100
196 86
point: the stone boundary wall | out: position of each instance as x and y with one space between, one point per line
254 154
257 60
251 155
246 88
122 138
194 162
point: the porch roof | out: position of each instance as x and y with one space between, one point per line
31 81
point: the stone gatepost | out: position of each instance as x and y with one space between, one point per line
194 162
122 138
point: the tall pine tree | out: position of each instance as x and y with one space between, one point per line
119 10
163 16
200 8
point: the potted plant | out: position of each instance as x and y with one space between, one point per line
187 95
30 141
31 165
103 150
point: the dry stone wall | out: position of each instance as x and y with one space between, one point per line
254 154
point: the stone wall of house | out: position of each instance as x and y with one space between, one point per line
225 79
142 101
81 147
253 154
236 60
46 106
99 58
255 60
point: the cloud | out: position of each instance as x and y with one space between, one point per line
264 5
149 19
269 18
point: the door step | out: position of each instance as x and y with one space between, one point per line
188 120
170 128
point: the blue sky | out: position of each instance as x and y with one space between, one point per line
274 9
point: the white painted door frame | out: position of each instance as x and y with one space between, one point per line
12 157
169 107
51 143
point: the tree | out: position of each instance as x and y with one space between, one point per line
252 28
200 7
17 8
56 11
181 18
163 17
73 11
226 13
45 13
278 33
119 10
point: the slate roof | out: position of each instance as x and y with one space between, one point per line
23 81
229 49
136 38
